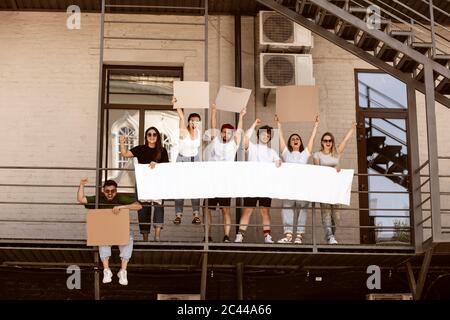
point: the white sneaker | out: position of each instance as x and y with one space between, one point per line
287 239
239 238
332 240
122 274
298 240
268 239
107 276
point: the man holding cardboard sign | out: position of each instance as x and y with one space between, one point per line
110 199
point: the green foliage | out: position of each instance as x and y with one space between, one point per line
402 231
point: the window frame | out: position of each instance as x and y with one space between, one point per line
141 108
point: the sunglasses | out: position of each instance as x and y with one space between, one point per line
152 134
327 140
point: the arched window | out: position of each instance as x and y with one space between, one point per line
125 126
130 133
167 143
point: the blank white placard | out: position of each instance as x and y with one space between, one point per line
232 99
191 94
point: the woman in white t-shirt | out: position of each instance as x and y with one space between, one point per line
329 155
295 152
188 151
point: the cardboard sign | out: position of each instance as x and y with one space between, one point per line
191 94
232 99
297 103
104 228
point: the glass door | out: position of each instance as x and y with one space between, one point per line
384 183
383 161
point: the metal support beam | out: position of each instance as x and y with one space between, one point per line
240 280
98 176
237 52
206 42
433 164
96 277
416 194
204 276
433 34
423 273
313 226
206 39
154 39
411 278
238 83
360 53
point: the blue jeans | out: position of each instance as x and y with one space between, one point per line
179 203
145 216
288 212
125 250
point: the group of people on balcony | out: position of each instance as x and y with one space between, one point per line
223 147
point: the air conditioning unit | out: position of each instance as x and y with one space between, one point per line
278 31
284 69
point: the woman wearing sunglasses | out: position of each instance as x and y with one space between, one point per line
295 152
152 152
329 155
188 151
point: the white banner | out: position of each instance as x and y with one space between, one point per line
192 180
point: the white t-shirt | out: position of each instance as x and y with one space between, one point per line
189 147
223 151
296 156
261 153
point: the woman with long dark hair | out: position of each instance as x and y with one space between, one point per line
329 155
152 153
295 152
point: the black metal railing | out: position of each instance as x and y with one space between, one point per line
311 239
426 206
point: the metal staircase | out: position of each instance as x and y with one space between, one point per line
385 158
396 46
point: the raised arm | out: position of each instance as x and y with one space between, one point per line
81 198
249 133
213 132
213 117
238 133
281 135
341 146
182 123
123 151
313 134
134 206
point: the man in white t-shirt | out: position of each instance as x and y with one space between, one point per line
223 147
260 152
